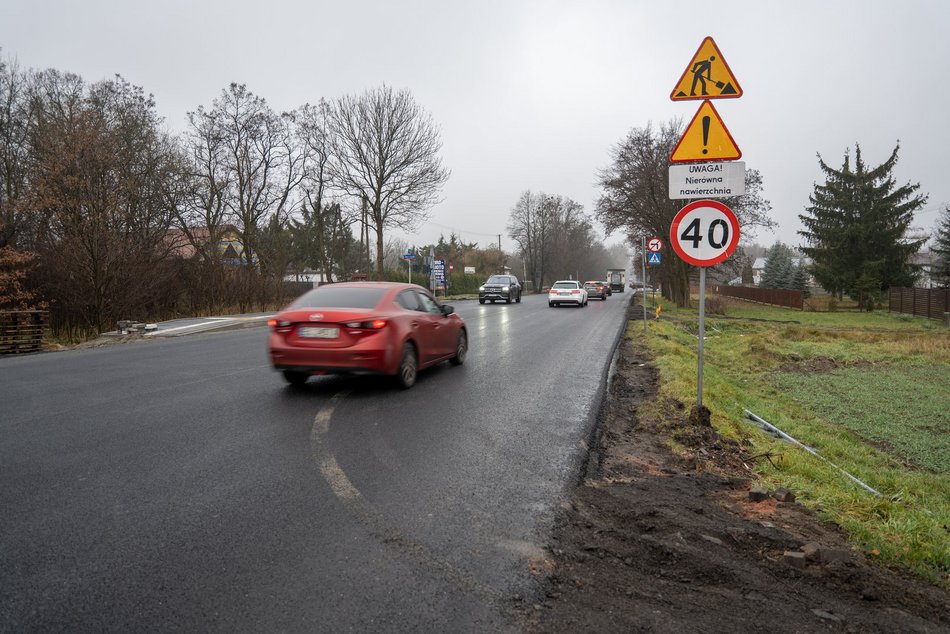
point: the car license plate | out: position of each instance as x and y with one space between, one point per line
312 332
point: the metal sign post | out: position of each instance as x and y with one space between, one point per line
409 256
704 233
643 287
702 335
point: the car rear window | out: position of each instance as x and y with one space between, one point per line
330 296
565 285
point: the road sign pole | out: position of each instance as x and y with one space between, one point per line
643 291
702 336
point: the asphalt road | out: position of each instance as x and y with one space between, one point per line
179 485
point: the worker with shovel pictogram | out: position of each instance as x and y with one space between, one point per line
702 70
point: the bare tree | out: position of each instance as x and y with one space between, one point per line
386 151
524 227
636 198
14 153
202 216
264 164
555 237
102 171
322 236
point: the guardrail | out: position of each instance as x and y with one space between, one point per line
21 331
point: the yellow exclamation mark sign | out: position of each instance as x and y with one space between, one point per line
706 120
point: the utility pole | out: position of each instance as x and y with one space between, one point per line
499 242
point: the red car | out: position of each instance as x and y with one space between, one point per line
365 328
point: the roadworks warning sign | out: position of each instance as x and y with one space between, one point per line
707 76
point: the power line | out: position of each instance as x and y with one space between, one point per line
462 231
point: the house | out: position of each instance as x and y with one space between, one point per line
229 246
315 278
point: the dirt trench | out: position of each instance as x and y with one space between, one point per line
655 541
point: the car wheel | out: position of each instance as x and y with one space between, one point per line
550 304
296 378
408 367
481 300
519 298
461 349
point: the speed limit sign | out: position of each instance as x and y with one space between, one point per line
704 232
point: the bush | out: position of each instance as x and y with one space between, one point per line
715 305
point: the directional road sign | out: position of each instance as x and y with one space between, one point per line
704 232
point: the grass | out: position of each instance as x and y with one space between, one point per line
868 391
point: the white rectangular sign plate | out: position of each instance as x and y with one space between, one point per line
722 179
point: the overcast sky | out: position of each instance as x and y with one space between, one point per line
532 95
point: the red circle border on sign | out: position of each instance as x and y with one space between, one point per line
733 240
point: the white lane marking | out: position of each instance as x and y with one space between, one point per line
331 470
351 497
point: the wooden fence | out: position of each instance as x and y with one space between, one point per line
774 296
922 302
22 330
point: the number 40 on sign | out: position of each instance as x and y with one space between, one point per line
704 233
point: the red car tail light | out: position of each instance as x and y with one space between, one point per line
279 325
576 292
374 324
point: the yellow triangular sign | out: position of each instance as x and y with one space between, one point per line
706 139
707 76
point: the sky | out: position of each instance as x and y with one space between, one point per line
533 95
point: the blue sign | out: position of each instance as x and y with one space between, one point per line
653 258
438 270
408 256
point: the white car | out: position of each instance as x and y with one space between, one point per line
567 292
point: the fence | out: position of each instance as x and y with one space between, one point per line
775 296
22 330
922 302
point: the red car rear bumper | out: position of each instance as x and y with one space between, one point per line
364 358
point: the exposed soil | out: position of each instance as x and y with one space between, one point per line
657 541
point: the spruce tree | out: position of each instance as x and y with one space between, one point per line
799 280
778 267
855 229
941 248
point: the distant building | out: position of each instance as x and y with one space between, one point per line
229 246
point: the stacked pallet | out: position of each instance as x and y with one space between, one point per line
21 331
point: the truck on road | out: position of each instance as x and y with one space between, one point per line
615 279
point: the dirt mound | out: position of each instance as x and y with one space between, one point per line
659 542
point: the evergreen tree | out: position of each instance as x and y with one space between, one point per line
799 279
748 275
778 269
941 248
855 229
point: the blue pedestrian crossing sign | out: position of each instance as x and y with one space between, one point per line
653 258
